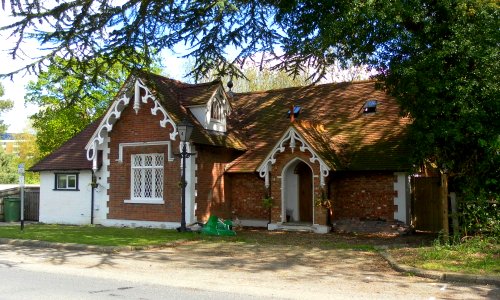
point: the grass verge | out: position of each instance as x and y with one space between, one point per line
94 235
479 255
137 237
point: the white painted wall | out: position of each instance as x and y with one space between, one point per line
65 207
134 223
291 183
200 113
402 186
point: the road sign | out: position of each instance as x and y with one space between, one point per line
20 168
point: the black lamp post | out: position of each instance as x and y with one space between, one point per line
185 129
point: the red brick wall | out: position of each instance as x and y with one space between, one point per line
211 188
362 195
142 127
246 191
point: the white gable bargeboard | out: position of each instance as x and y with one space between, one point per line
292 137
115 111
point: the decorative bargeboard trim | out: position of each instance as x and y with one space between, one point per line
114 113
293 137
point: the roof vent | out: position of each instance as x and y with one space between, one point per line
370 106
296 111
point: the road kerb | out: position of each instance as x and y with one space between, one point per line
443 276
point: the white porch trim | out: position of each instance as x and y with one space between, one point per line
293 137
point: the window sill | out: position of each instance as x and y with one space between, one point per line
66 190
145 201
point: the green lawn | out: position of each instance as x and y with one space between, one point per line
479 256
137 237
94 235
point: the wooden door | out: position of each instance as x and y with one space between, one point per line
305 193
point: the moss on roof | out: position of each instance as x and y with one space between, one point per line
331 120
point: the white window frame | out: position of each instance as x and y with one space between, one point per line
153 167
67 187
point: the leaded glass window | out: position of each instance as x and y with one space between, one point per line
147 176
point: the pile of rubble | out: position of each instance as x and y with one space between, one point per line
372 226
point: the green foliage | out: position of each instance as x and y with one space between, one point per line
5 105
61 116
28 154
267 202
475 255
8 168
445 76
440 59
480 214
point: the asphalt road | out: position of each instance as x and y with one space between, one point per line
216 271
17 283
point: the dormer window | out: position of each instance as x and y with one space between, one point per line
370 106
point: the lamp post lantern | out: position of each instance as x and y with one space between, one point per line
185 129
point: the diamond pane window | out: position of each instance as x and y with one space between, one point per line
147 176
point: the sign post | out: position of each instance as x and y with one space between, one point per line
20 170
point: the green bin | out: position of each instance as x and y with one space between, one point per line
12 209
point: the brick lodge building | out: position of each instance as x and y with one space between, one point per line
337 144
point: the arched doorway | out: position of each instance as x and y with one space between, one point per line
297 192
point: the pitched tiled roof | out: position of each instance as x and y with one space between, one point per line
176 96
332 122
71 155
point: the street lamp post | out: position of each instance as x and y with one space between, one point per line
185 129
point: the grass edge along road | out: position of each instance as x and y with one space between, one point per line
479 255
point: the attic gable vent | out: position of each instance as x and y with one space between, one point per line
370 106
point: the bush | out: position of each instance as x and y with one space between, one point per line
480 214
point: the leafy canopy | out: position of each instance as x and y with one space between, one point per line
5 105
60 117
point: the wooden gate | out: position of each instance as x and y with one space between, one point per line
426 203
31 205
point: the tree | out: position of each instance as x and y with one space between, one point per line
439 58
5 105
446 78
28 154
257 78
8 169
60 117
68 103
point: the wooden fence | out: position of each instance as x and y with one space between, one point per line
31 202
